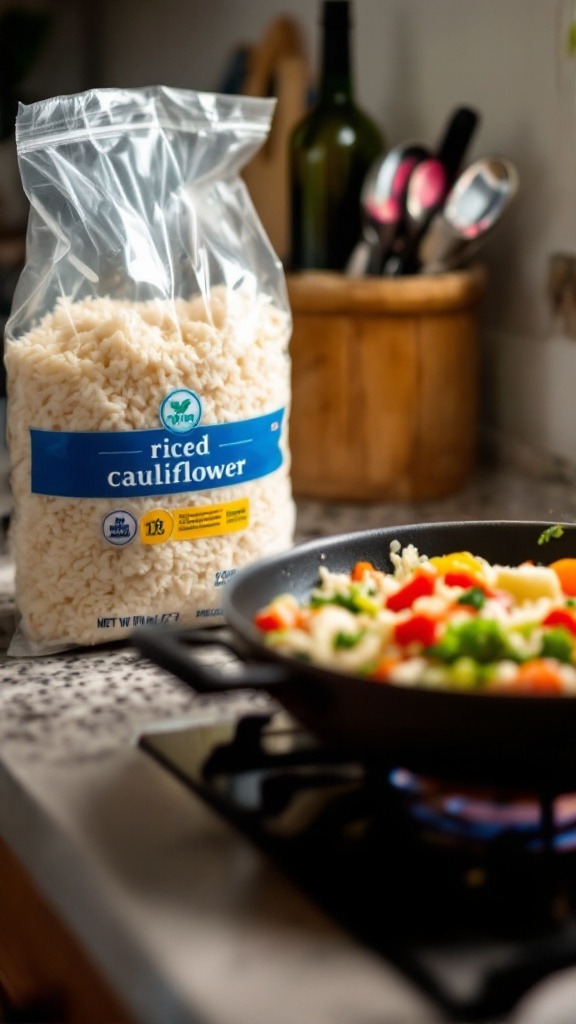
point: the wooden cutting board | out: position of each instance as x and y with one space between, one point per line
277 67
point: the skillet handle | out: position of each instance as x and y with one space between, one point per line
171 649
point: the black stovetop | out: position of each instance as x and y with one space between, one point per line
471 893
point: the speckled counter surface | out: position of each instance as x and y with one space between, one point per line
77 798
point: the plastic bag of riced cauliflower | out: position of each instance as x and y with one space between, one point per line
147 365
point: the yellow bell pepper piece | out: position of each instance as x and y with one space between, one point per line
458 561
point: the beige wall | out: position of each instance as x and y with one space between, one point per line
415 60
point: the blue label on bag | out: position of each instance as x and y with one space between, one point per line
140 463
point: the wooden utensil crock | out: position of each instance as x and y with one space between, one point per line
384 384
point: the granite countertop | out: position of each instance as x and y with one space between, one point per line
163 911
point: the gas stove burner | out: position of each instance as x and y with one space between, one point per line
479 815
424 873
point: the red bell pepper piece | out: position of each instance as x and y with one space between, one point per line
268 621
460 579
421 585
466 580
561 617
276 616
417 629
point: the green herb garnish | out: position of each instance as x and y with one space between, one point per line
550 533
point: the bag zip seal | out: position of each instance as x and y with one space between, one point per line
51 138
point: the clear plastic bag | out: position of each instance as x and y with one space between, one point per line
147 365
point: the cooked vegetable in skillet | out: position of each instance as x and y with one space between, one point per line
454 621
490 737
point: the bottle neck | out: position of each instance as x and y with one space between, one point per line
336 71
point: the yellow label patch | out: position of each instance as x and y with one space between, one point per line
158 525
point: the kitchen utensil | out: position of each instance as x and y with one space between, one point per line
468 736
428 187
455 141
476 203
382 202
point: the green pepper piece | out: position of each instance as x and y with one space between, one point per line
475 597
355 601
344 641
557 643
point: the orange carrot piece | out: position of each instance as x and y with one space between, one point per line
359 569
565 569
384 669
538 676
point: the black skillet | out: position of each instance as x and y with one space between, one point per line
527 741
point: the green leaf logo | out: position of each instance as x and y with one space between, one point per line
181 410
180 407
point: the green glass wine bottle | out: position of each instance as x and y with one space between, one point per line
331 150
